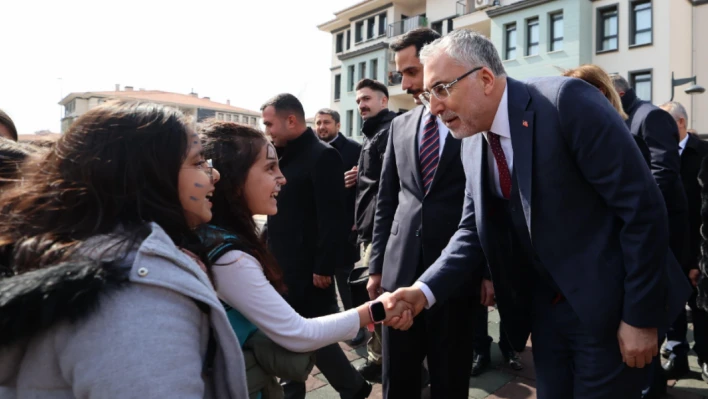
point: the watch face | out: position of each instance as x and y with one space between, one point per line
378 312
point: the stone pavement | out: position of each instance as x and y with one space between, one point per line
500 382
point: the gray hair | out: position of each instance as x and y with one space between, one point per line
620 83
676 110
328 111
468 48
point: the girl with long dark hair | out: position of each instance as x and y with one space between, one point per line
249 279
103 303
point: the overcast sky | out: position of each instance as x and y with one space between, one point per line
242 50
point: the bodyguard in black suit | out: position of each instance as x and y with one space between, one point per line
306 234
421 192
692 151
657 135
327 125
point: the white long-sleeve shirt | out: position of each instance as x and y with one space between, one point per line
241 283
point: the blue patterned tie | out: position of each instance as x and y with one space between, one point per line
429 152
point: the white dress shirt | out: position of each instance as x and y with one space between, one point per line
682 144
442 130
501 127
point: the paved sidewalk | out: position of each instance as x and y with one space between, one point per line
500 382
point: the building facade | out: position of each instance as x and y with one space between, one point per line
646 41
196 108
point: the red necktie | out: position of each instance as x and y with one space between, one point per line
429 152
500 158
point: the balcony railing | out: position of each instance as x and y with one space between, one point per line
394 78
461 7
407 25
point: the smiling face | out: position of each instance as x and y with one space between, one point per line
195 184
473 101
326 127
263 183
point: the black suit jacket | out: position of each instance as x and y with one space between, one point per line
691 158
411 228
594 213
306 234
659 133
349 150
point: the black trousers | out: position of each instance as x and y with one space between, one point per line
443 334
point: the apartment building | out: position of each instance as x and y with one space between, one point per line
195 107
647 41
361 35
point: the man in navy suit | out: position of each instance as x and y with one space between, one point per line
563 206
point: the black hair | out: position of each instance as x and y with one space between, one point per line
373 85
418 37
286 104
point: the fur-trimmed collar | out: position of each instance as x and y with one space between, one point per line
34 301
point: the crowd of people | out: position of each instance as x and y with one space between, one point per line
131 264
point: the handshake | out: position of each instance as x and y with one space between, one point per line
405 303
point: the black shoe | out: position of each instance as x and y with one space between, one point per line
513 361
676 367
364 392
370 371
359 339
480 364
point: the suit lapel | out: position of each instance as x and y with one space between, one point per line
412 150
451 149
521 127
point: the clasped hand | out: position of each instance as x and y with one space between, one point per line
399 314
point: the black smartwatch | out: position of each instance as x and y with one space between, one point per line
377 312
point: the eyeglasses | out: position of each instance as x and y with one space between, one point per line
442 91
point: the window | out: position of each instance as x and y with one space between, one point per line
382 23
607 29
360 124
640 24
337 86
350 77
362 70
449 25
556 32
350 121
510 45
358 31
641 83
340 43
532 36
437 26
370 25
375 69
348 41
69 108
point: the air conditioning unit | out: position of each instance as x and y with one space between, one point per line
482 4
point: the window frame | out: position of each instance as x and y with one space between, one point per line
383 25
339 43
530 23
600 28
358 32
552 31
362 70
350 122
507 48
374 68
633 23
632 75
337 87
351 70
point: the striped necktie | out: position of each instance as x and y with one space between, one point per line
429 152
